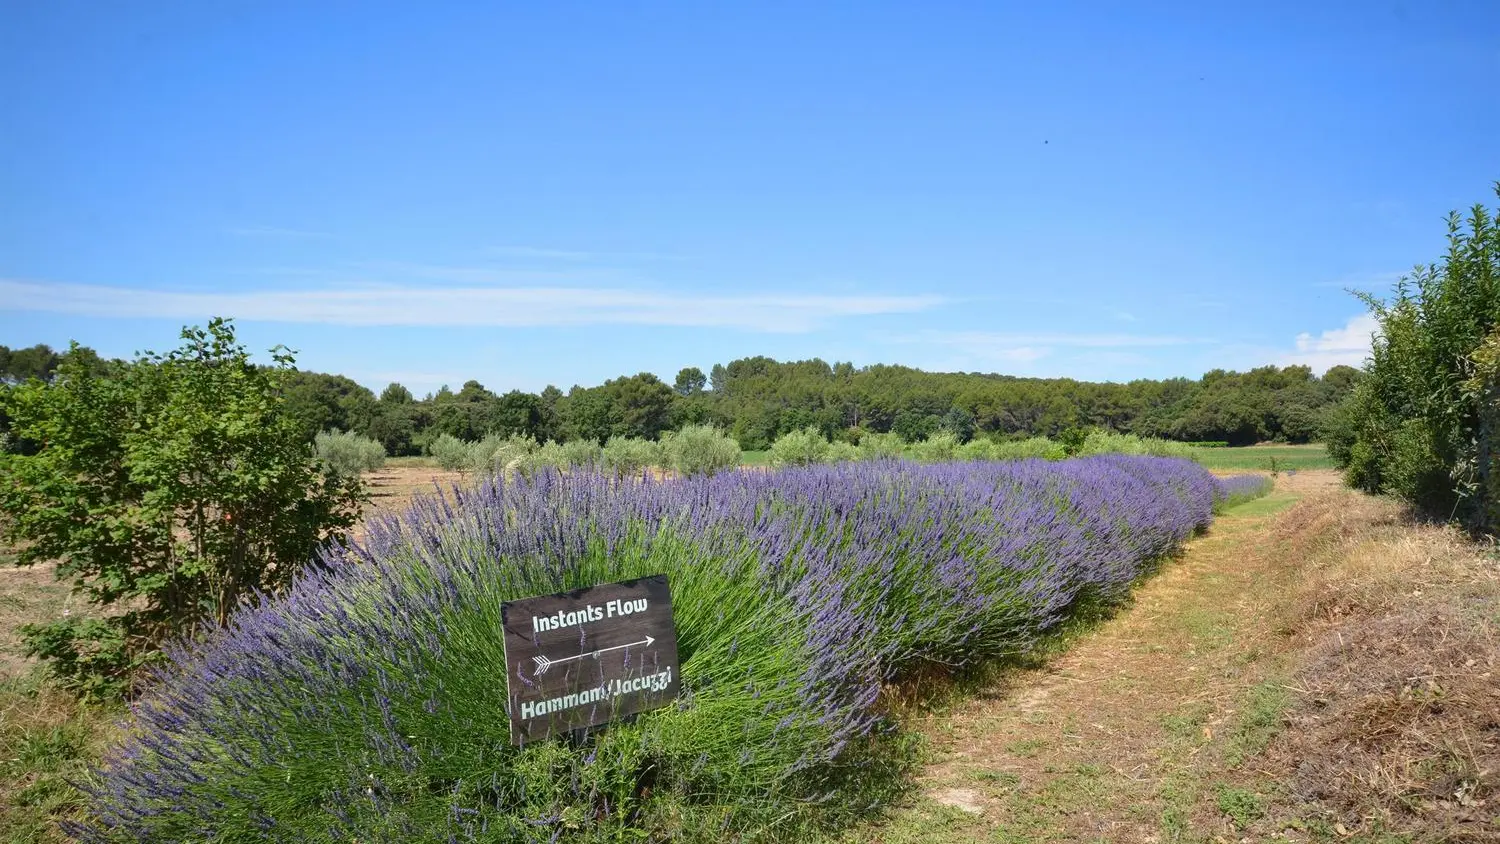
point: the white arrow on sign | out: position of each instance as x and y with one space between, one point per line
543 663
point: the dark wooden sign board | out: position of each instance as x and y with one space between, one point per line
581 658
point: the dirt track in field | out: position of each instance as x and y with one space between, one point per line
1226 703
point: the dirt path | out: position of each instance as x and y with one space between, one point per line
1151 726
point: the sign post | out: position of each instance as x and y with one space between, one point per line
585 657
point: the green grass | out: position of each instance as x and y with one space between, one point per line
1260 720
755 458
1265 505
1260 457
47 737
1240 806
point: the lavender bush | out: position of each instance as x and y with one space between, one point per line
367 702
1241 488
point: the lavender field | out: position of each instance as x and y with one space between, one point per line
368 703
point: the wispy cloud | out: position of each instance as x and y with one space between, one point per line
469 274
542 253
1374 282
273 231
1348 346
462 306
534 252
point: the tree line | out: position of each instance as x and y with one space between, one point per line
758 399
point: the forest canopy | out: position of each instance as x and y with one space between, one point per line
758 399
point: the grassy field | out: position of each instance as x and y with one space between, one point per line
1259 458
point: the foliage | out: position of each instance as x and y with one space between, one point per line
452 453
1422 423
980 449
627 456
700 450
168 490
939 447
1107 442
20 365
758 399
548 455
327 402
799 448
348 454
690 381
840 451
363 705
496 453
584 454
1030 447
881 447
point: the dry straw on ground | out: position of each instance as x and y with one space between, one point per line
1398 727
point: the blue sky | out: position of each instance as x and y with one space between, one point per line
561 193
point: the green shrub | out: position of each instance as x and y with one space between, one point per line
1107 442
701 450
582 454
169 490
452 453
549 455
881 447
347 453
1033 447
841 451
980 449
938 448
1423 422
495 453
631 455
799 448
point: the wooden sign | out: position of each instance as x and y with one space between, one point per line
581 658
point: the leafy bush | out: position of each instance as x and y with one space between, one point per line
547 456
881 447
582 454
980 449
1108 442
841 451
632 455
1423 422
452 453
347 453
495 453
799 448
367 703
700 450
937 448
169 490
1039 447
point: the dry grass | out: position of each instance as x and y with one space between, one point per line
1397 730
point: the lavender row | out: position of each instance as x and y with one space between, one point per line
368 701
